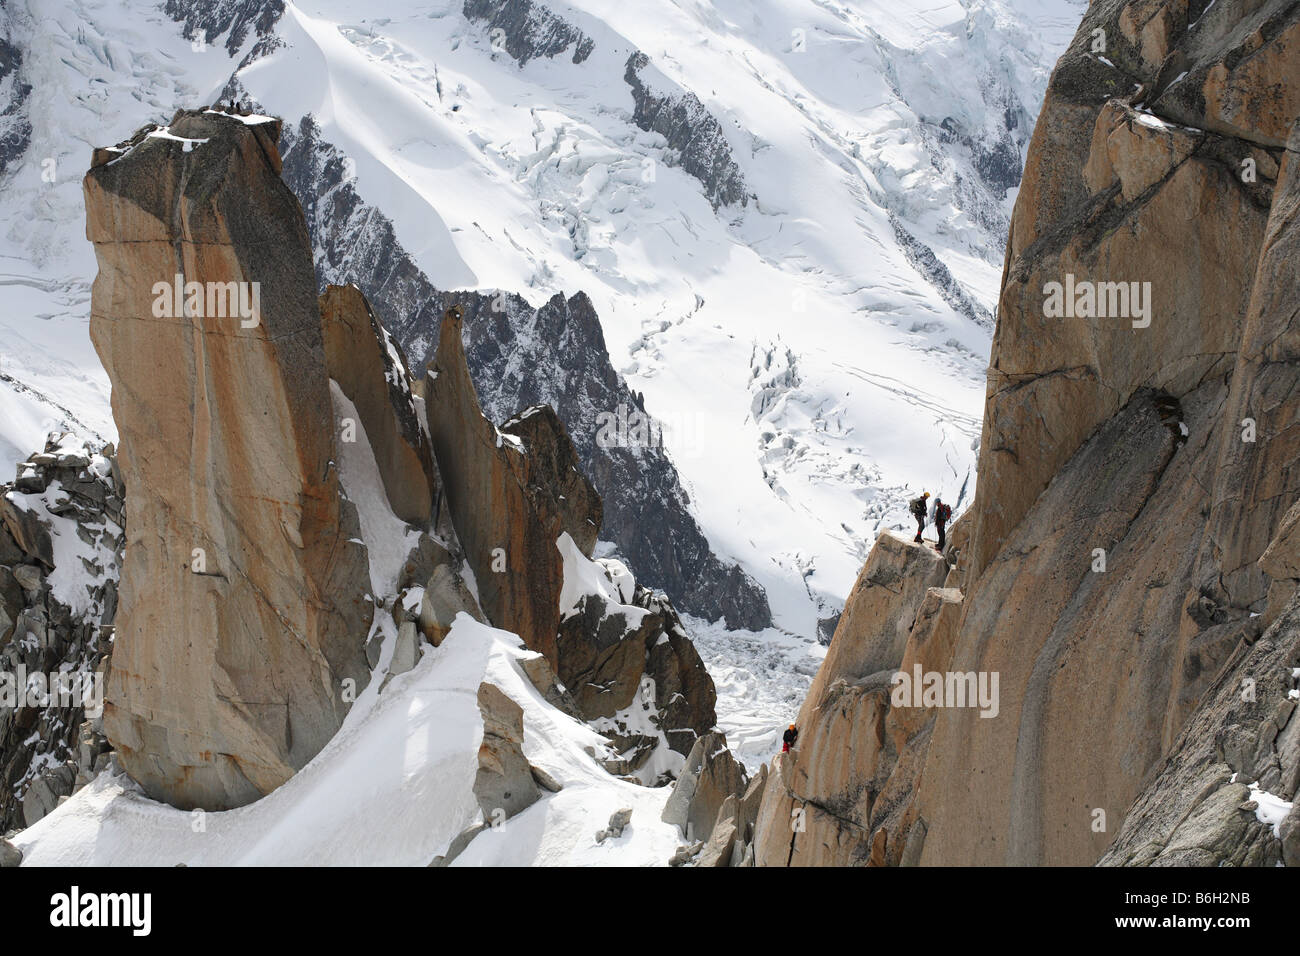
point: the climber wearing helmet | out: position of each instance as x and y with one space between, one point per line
788 738
917 507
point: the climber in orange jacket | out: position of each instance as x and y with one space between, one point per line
789 738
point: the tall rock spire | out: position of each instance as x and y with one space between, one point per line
244 599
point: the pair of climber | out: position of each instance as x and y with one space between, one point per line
939 513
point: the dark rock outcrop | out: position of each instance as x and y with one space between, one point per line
556 467
685 696
631 669
528 30
15 124
55 632
602 655
692 132
930 266
208 21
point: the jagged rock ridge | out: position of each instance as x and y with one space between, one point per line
206 21
287 595
518 502
507 518
521 356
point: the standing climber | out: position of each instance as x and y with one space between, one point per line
789 738
941 514
917 507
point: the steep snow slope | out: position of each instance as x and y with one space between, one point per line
815 347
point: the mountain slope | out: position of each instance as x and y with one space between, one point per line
861 252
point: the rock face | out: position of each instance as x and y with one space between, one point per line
504 784
826 798
51 741
371 369
1138 460
239 535
1202 806
690 129
556 467
1107 184
527 30
880 609
507 518
710 777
